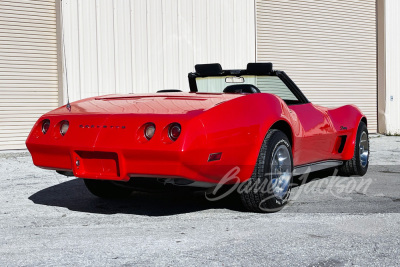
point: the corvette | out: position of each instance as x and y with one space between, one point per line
255 121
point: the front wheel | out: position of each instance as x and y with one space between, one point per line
107 189
358 165
268 189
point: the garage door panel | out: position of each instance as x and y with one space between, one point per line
28 67
327 47
12 145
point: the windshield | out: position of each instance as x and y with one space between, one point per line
266 84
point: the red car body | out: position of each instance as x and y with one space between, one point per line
105 136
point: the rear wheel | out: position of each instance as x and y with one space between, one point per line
268 189
358 165
107 189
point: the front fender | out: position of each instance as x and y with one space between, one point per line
345 121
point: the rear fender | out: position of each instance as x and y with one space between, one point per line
238 127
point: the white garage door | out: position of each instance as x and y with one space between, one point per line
28 67
148 45
327 47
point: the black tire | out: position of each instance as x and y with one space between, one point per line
107 189
354 166
265 200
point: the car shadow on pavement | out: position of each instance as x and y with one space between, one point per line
310 195
74 196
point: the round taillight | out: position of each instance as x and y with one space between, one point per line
174 131
45 126
149 131
64 125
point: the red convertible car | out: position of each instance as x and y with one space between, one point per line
251 127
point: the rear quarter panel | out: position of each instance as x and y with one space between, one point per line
237 128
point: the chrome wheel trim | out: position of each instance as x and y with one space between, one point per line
364 149
281 168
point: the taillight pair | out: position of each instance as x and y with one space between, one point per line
64 125
174 130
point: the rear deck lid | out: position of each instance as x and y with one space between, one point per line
163 104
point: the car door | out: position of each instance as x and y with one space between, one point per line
316 136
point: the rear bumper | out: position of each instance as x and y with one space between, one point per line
116 165
122 165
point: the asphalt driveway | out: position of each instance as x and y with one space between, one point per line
48 219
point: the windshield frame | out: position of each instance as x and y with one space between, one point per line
280 74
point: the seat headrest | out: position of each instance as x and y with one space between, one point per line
209 69
259 68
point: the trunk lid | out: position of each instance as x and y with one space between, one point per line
161 104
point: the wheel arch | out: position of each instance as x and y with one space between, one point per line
364 119
285 127
348 152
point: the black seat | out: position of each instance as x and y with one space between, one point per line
241 89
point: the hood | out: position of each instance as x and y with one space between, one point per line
163 104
